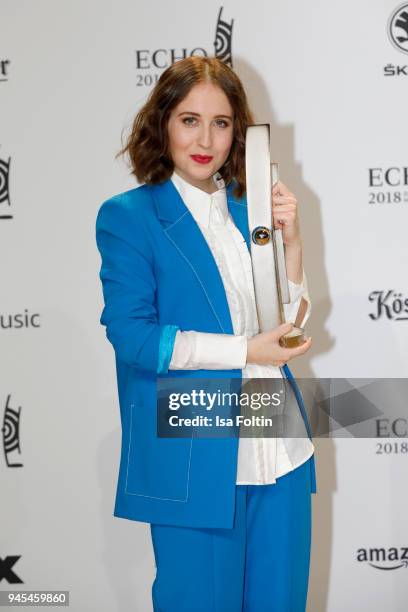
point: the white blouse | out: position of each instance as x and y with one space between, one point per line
260 460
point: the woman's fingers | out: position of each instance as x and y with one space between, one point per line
264 348
284 211
281 200
282 218
280 187
290 353
285 354
281 330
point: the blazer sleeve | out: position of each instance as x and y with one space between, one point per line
129 288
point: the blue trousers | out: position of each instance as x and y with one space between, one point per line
260 565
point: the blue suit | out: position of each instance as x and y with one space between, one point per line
159 275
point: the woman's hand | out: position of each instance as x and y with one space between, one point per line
285 214
264 348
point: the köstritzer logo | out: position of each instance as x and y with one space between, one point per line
392 305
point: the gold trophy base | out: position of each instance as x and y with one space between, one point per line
293 339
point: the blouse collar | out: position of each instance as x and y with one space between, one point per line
200 203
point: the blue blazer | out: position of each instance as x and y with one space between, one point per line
158 275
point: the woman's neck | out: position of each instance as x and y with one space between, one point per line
208 185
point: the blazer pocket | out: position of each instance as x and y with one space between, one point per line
156 467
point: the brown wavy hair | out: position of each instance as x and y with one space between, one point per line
147 144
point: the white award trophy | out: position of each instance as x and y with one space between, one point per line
267 248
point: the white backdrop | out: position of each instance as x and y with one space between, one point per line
72 76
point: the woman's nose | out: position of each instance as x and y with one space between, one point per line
205 136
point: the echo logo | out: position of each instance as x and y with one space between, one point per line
387 428
4 189
388 177
388 185
11 434
148 61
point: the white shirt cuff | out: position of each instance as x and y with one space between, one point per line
296 293
205 351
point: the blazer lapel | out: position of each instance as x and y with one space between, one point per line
239 213
182 229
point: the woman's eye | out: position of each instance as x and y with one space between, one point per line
222 123
219 122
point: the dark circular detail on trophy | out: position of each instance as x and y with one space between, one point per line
261 235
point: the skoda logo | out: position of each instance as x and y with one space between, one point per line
398 28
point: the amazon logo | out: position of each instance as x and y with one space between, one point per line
384 558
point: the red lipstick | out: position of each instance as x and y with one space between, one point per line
202 159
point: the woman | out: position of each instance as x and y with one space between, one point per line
230 518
